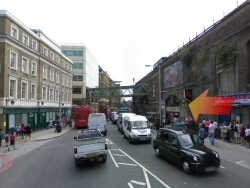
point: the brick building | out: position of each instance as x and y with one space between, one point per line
217 59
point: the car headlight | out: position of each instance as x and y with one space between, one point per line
149 135
195 158
133 135
216 154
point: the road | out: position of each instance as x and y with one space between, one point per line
128 165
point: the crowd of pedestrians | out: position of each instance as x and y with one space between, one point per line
231 132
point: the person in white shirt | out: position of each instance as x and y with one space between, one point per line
211 131
216 135
247 134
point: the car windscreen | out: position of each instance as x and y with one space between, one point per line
89 134
139 124
188 140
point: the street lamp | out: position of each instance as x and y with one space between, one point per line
159 70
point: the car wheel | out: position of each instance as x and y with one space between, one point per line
124 135
157 152
104 159
186 167
77 163
130 141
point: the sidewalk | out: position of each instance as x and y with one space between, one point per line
234 153
37 139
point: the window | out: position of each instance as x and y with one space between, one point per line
69 97
78 65
67 66
25 40
25 65
57 95
45 51
65 96
57 77
227 82
13 60
153 90
44 93
13 87
57 59
70 82
70 68
34 45
33 68
33 91
77 78
45 72
24 92
63 63
62 96
52 56
14 33
73 52
77 91
66 81
62 79
51 94
51 75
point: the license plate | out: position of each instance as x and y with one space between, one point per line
91 155
142 138
210 169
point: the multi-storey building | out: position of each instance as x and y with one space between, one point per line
35 77
85 70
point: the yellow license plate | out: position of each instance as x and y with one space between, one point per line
91 155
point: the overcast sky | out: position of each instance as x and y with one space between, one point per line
123 35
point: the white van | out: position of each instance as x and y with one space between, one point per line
120 120
136 129
98 121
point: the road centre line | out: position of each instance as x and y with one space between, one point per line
114 149
222 167
113 159
109 142
137 182
120 155
128 164
146 170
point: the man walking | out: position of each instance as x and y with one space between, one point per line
211 130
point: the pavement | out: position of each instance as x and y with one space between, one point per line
26 145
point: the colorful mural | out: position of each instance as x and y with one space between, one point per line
173 75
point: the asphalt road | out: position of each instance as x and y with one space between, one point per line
128 165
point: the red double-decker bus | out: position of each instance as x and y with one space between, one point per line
81 114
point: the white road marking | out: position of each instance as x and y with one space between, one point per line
165 185
120 155
242 164
137 182
109 142
222 166
146 177
128 164
113 159
114 149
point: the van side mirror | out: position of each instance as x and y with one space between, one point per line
74 137
128 128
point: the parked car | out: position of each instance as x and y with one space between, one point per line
90 145
115 119
179 125
185 148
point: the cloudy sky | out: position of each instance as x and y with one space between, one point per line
123 35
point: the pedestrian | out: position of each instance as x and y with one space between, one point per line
211 130
247 134
201 132
216 129
28 131
223 130
18 130
207 123
23 130
7 139
1 137
242 135
237 133
12 140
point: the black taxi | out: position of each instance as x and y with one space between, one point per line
184 148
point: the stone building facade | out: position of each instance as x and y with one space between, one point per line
217 59
35 77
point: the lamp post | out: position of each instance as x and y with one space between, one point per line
159 72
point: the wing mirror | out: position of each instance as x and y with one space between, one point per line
74 137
